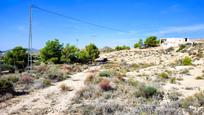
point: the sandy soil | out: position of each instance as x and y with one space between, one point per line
51 100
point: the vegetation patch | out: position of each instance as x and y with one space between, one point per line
105 73
118 48
173 80
6 86
164 75
197 100
199 78
187 61
181 47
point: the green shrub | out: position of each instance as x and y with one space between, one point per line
199 77
46 82
6 86
186 71
145 91
83 56
5 67
164 75
92 52
138 44
55 77
149 91
52 51
104 73
151 41
181 47
170 49
13 78
17 57
173 80
118 48
187 61
69 54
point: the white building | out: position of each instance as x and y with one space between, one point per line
173 42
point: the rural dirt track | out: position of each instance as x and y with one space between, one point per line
51 100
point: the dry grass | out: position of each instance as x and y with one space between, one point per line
64 87
89 78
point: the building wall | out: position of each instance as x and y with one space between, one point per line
173 42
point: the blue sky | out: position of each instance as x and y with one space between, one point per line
138 18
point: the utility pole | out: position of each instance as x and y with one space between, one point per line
77 40
30 40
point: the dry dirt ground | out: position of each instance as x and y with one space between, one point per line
51 100
160 61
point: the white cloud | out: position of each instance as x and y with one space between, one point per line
180 29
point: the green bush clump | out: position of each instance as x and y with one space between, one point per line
90 53
6 86
13 78
17 57
145 91
149 91
69 54
46 82
83 56
105 73
199 78
187 61
52 51
164 75
118 48
173 80
151 41
181 47
5 67
138 44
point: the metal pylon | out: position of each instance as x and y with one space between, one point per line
30 60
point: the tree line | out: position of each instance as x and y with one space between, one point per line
55 52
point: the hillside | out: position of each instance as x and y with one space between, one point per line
137 81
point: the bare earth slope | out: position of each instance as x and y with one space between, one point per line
50 100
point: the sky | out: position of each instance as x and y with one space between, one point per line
135 18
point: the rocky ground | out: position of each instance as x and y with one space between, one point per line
136 81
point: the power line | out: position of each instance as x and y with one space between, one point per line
78 20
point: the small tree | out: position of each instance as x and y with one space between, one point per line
92 51
17 57
52 51
69 54
83 56
138 44
151 41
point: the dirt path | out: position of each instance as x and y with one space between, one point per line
51 100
